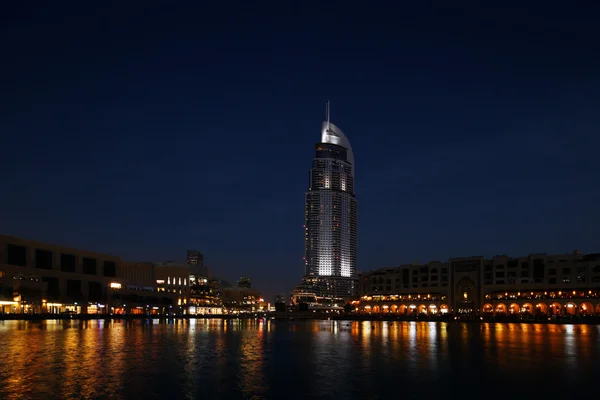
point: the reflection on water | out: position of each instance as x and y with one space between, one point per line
258 359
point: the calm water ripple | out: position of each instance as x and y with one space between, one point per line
287 359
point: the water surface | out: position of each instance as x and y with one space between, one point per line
286 359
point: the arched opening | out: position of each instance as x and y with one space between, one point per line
422 309
501 308
433 309
376 309
444 309
394 308
571 309
466 296
403 309
386 308
514 308
412 309
598 309
527 308
541 308
586 308
368 309
488 308
555 309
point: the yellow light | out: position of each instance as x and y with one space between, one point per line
115 285
160 281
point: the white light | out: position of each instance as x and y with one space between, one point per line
115 285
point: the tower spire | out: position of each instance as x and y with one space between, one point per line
327 113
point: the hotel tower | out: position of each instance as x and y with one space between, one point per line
330 219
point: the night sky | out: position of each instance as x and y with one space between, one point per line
145 129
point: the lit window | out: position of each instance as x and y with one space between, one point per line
168 280
115 285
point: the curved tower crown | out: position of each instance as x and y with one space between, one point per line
334 135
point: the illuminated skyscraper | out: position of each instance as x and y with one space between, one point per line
331 218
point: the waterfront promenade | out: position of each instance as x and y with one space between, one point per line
588 320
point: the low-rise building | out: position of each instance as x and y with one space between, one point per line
46 278
241 300
538 285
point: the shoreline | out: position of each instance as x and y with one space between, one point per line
594 320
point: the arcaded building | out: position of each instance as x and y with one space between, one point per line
537 285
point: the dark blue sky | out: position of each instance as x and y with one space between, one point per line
142 130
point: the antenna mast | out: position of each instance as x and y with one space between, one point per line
327 112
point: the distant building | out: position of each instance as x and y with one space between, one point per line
241 300
244 282
534 286
205 295
194 257
280 298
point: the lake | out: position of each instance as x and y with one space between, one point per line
256 359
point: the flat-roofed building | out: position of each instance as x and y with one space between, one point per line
533 286
77 281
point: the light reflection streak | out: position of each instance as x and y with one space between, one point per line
251 377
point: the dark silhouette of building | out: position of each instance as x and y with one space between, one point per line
194 257
244 282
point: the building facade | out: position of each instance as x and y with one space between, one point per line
244 282
330 242
241 300
38 277
534 286
194 257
